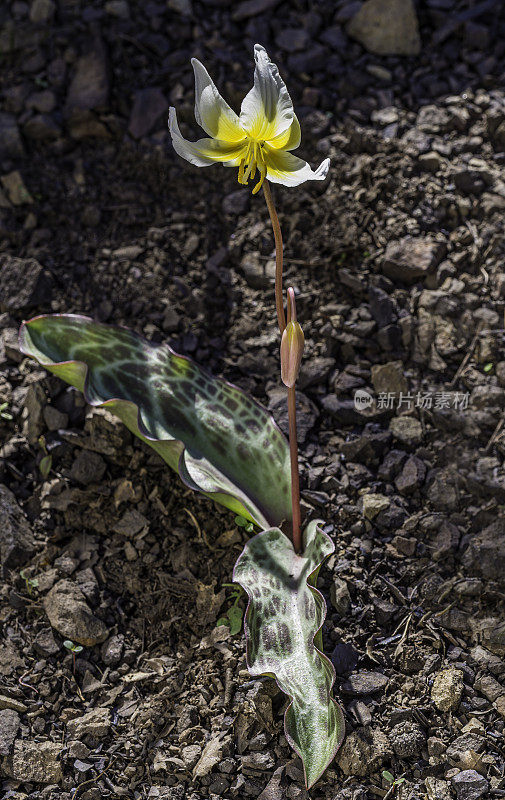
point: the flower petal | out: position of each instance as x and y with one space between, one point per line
288 140
283 167
213 113
205 151
267 110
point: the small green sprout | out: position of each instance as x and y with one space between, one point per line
30 583
46 461
4 414
233 617
244 523
74 648
394 782
488 367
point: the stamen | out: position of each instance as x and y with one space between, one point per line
241 171
251 169
263 171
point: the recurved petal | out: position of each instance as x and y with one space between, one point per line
289 139
204 152
213 113
285 168
267 110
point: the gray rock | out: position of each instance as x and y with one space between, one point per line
112 650
71 616
148 106
485 555
447 689
363 752
364 682
34 761
41 127
306 412
15 188
412 258
11 144
24 283
411 477
17 544
469 785
88 93
389 377
95 724
9 726
45 644
259 274
251 8
237 202
406 429
387 27
42 11
88 467
408 739
458 748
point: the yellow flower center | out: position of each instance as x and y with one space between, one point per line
254 159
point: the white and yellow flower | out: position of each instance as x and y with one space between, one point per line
261 138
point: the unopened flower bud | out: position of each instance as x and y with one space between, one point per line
292 344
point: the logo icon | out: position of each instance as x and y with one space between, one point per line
362 400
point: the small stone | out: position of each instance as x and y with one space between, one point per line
293 39
17 543
411 477
431 161
9 726
131 523
112 650
363 752
71 616
54 419
15 189
485 555
258 274
12 703
373 504
45 644
42 11
95 724
237 202
190 755
251 8
88 468
469 785
406 429
306 412
148 106
447 689
388 378
410 259
11 144
34 289
437 789
408 739
344 658
387 28
118 8
34 761
364 682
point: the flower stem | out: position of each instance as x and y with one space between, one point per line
295 475
274 219
281 319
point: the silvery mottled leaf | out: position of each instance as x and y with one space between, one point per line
219 440
283 625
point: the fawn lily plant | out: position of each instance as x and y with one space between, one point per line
259 139
221 442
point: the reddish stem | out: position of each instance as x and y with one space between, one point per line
281 319
295 475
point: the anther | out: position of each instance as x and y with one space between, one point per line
241 171
263 171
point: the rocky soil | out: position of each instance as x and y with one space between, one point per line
397 260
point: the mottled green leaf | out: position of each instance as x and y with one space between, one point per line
283 625
219 440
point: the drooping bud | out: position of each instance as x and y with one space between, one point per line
292 344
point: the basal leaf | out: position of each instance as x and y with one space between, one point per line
283 625
219 440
